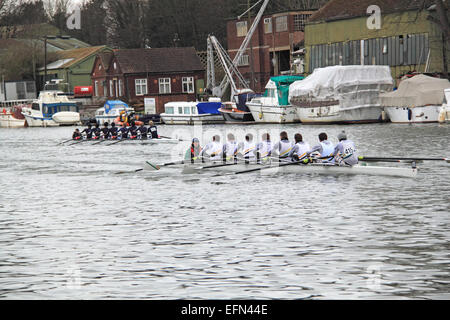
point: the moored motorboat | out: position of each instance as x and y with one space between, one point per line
274 107
444 114
12 117
418 100
341 94
191 113
111 110
53 108
237 111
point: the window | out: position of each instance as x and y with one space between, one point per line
141 87
120 87
187 110
164 86
180 110
188 84
111 87
281 23
268 25
300 21
30 87
105 90
96 88
244 60
241 28
194 110
169 110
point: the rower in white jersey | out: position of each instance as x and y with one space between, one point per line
247 148
213 150
230 149
325 148
345 152
264 148
301 149
284 147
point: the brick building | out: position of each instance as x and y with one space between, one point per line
277 37
164 74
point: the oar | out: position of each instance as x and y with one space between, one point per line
363 158
116 142
101 141
78 142
64 142
266 167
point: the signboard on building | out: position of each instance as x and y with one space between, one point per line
150 105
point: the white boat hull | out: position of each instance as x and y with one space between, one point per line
8 121
333 115
175 119
66 118
273 114
275 168
425 114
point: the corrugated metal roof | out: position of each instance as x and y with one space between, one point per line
75 56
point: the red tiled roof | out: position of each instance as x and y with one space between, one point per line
345 9
158 60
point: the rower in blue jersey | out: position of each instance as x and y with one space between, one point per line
88 132
325 148
77 135
113 131
300 150
96 131
152 131
105 131
282 148
133 130
264 148
230 149
142 132
123 132
345 152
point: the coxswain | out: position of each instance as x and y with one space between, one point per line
325 148
230 149
77 135
123 117
142 132
113 131
194 151
345 151
264 148
213 149
105 131
96 131
123 132
153 131
247 148
284 147
133 130
88 132
300 150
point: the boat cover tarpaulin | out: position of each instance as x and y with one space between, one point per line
113 104
283 83
417 91
353 86
209 107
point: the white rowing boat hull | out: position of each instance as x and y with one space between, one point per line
361 169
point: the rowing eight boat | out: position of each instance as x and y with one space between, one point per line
315 168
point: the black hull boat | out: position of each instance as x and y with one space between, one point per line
233 115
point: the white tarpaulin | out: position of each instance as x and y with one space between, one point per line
353 86
417 91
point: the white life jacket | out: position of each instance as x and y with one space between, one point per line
248 149
327 148
302 149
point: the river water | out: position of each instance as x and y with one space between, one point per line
72 228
